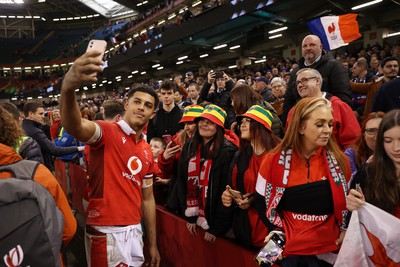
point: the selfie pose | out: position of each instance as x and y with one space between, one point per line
301 186
120 173
379 182
256 139
202 178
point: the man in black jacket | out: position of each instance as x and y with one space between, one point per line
263 89
388 97
34 114
334 75
166 120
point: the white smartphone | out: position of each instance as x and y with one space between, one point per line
98 45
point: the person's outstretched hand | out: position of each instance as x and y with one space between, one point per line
84 70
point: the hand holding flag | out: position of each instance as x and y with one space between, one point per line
372 239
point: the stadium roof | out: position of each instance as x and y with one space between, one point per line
107 8
51 9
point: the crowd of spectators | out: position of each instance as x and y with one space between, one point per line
255 150
223 146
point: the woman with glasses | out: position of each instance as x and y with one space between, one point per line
379 180
278 86
302 185
256 139
202 174
364 147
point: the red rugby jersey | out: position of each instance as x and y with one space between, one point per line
118 166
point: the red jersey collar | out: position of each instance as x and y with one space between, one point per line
128 130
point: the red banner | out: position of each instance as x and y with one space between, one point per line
61 174
78 183
178 248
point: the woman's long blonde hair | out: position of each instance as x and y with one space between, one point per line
51 116
301 113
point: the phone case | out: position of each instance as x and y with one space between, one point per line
271 251
167 138
98 45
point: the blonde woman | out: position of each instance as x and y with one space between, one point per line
302 186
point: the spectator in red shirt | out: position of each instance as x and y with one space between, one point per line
168 159
55 121
157 146
302 185
256 139
346 128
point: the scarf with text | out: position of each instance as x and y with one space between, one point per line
279 179
197 185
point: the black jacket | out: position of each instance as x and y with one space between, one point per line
218 217
387 97
336 81
221 99
276 127
30 149
240 221
266 94
47 147
164 123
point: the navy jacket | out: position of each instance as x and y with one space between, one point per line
388 97
48 148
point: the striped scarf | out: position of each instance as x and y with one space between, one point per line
197 186
279 179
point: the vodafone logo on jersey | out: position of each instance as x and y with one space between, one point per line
135 166
309 218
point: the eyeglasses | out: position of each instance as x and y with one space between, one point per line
371 131
277 86
305 80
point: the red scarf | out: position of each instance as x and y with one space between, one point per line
279 178
197 186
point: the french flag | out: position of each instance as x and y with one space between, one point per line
114 40
335 31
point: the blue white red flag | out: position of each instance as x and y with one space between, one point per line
335 31
114 40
